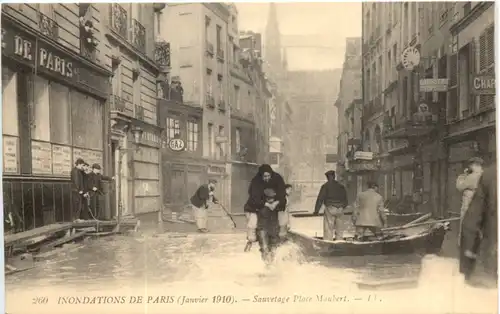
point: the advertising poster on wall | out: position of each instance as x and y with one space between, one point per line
89 156
61 160
41 154
10 154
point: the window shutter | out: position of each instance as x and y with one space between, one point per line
490 46
483 63
472 72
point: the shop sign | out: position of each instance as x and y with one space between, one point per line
41 157
176 144
28 50
433 85
216 170
483 85
10 154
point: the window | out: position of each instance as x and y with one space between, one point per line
237 97
211 140
173 128
219 38
209 84
116 81
221 91
221 152
87 112
10 124
237 141
235 54
40 129
192 136
60 114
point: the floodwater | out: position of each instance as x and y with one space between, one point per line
200 273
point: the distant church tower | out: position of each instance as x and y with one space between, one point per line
272 45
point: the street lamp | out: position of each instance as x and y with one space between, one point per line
137 135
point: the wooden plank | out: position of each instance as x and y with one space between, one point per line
63 240
107 223
11 239
394 283
51 253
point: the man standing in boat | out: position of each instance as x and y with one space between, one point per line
334 198
368 213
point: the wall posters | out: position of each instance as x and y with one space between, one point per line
41 157
10 154
89 156
61 160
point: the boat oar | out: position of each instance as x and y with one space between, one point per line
420 219
421 224
227 213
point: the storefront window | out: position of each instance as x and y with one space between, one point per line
10 124
193 135
40 128
60 114
87 121
173 128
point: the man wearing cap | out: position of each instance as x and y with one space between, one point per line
334 198
95 189
200 200
77 188
467 184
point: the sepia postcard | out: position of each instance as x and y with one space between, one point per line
249 157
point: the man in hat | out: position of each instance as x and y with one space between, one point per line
77 188
369 212
333 197
95 189
479 236
200 201
467 184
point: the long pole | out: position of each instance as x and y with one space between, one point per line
119 187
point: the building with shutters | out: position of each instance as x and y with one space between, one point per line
199 46
434 116
471 111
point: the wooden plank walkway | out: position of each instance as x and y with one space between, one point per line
11 239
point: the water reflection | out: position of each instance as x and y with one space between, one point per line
208 264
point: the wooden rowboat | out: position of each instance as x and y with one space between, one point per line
421 240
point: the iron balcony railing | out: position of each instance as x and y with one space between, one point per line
119 20
138 36
121 105
162 53
48 26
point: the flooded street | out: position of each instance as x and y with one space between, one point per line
214 269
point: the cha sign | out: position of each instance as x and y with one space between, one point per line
176 144
483 85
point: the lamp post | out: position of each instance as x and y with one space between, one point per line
137 134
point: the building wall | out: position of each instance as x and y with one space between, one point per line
47 109
134 82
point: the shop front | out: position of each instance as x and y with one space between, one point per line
51 97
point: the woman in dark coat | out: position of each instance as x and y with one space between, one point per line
478 242
266 231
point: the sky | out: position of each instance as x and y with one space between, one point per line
325 24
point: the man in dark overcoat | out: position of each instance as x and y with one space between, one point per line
77 188
478 243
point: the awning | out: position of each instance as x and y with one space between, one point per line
461 134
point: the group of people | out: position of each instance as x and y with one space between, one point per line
368 209
86 186
266 209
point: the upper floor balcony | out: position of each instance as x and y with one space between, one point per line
138 35
420 124
121 107
162 55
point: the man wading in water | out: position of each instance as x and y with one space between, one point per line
266 197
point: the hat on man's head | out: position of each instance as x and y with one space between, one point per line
269 193
96 166
330 173
475 160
